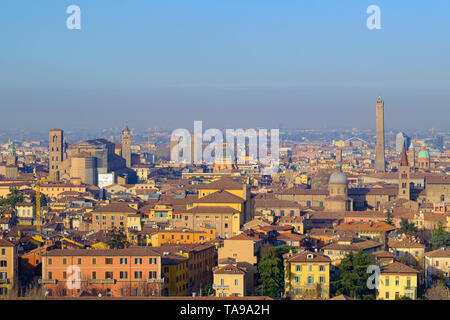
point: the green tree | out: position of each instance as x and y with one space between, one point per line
14 197
389 217
440 241
271 275
407 227
208 290
353 276
43 200
118 238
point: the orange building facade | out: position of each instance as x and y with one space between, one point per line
120 272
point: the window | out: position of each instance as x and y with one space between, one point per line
397 281
108 275
387 295
408 283
310 267
152 260
49 260
387 281
138 261
124 292
79 261
282 213
138 274
94 275
94 261
64 275
152 274
64 261
298 268
310 279
123 260
321 279
3 251
222 282
108 260
50 276
226 225
308 203
236 282
123 275
297 279
321 268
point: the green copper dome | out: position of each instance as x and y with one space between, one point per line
423 153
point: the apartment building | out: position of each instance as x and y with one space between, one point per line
8 266
397 280
307 275
132 271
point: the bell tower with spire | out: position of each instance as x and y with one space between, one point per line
126 146
404 190
11 159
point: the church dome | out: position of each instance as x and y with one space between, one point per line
423 153
338 178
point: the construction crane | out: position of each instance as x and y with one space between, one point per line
37 186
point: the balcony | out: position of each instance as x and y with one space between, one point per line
101 281
156 280
4 281
47 281
220 287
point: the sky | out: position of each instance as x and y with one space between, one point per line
229 63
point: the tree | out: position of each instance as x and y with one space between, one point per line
407 227
43 200
437 292
353 276
271 275
208 290
13 198
440 239
389 217
118 238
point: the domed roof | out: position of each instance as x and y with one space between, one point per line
338 178
423 153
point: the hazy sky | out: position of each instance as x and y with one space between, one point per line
230 63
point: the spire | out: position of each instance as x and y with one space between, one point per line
126 129
404 159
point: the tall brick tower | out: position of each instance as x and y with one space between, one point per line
404 190
55 152
380 164
126 146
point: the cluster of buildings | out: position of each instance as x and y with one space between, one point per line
123 227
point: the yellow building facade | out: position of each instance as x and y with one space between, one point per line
307 275
397 280
8 267
230 281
